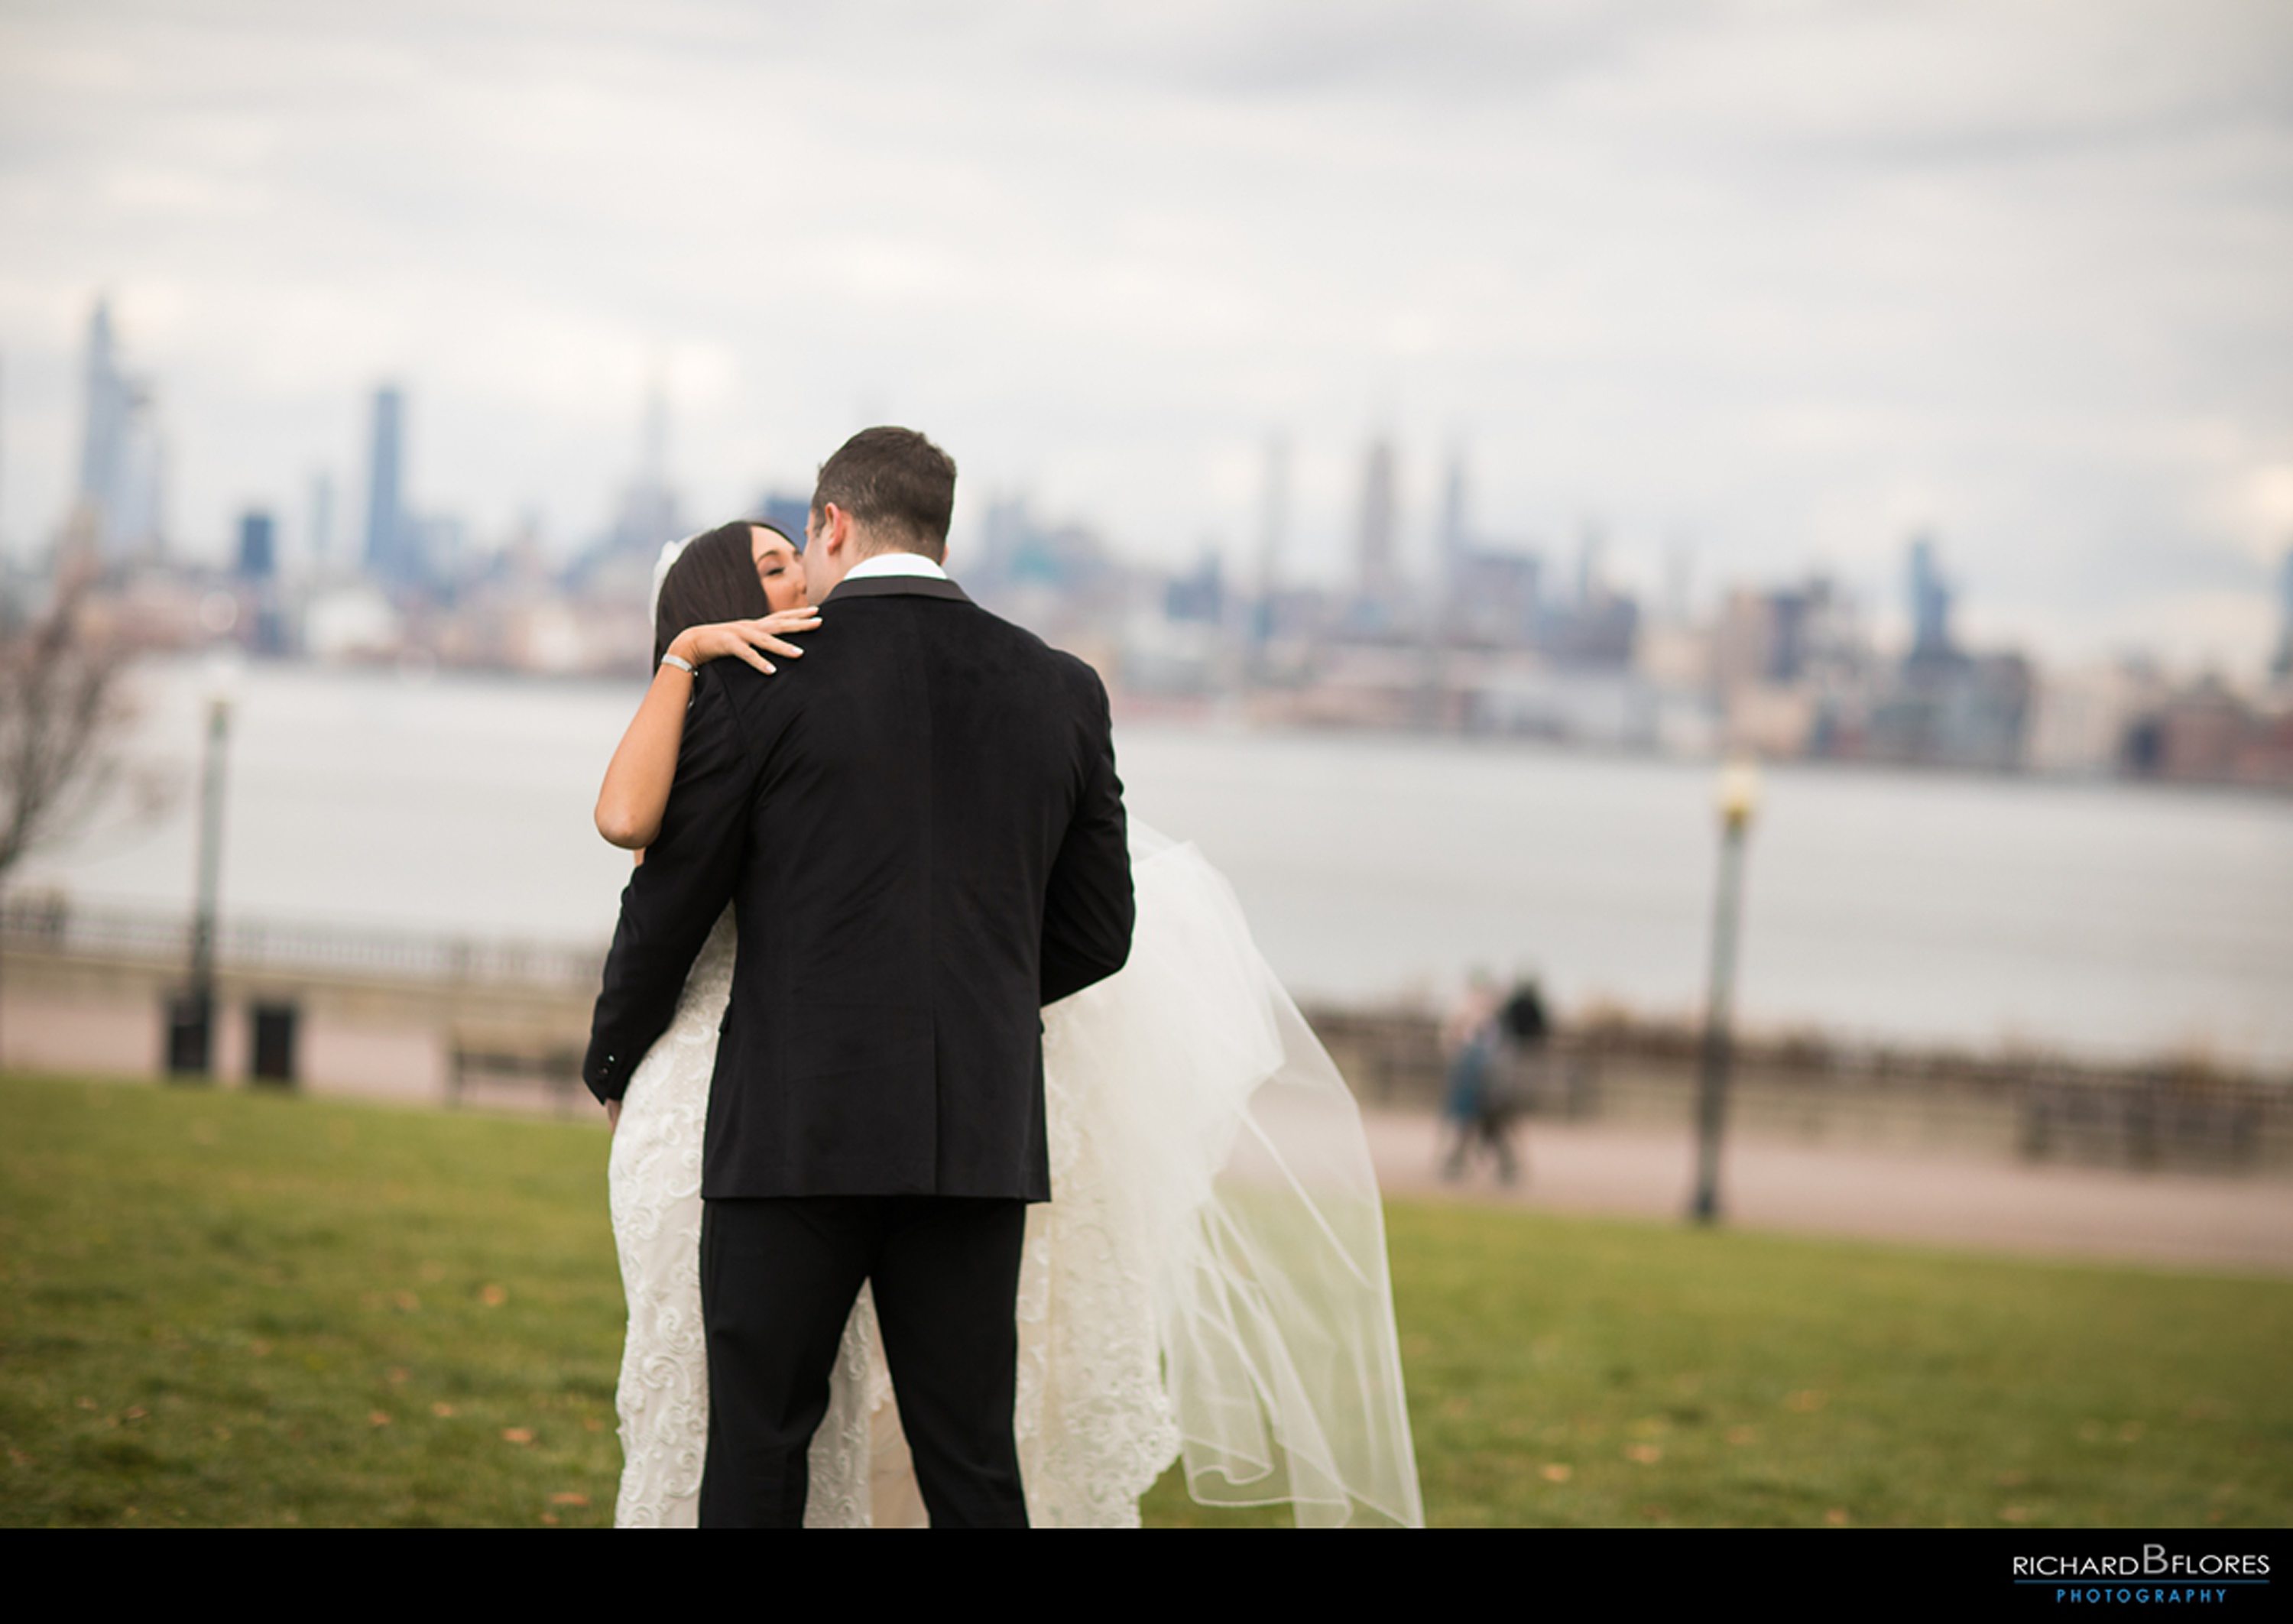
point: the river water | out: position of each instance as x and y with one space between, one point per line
2104 919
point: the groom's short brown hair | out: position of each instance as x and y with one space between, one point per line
897 484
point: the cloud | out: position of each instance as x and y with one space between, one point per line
1747 271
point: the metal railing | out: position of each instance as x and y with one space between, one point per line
50 926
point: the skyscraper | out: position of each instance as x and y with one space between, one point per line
2281 667
1930 603
1377 522
103 427
257 552
1455 543
389 538
318 537
117 501
649 514
1273 520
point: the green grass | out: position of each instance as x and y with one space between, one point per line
220 1308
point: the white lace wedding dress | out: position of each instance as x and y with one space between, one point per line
1208 1282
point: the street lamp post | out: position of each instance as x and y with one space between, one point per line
191 1035
1740 798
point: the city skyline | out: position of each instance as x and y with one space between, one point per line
1774 290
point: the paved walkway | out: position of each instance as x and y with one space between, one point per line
2241 1224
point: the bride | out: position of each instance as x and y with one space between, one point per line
1209 1284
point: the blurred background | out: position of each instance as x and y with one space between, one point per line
1455 431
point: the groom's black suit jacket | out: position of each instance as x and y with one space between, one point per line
920 824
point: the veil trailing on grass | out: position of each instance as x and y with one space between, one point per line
1238 1158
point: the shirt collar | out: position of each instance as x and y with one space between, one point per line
894 563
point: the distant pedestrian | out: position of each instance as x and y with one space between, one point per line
1527 1067
1524 1016
1473 1109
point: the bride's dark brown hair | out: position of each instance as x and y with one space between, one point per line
713 580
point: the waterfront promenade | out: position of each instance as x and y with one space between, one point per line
2175 1219
418 1021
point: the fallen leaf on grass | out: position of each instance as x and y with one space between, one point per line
1741 1435
549 1517
493 1296
442 1410
1556 1472
1808 1401
1837 1516
134 1412
569 1498
1647 1454
407 1302
2014 1514
375 1417
592 1424
84 1403
517 1435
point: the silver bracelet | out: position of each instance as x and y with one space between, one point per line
681 663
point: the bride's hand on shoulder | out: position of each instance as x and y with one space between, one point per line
742 639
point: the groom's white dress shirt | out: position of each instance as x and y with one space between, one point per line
894 563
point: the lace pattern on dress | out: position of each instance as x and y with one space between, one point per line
1094 1423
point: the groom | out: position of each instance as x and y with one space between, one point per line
921 830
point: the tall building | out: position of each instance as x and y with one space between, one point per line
117 499
1376 538
389 538
1930 604
649 514
1273 521
103 427
2281 667
786 512
258 559
318 537
1456 543
1592 579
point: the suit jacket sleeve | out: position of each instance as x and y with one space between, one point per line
675 896
1088 908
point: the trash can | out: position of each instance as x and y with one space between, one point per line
272 1045
191 1028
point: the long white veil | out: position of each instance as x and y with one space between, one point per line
1213 1202
669 552
1243 1166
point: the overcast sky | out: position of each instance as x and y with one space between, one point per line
1769 284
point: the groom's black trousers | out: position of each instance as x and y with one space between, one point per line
778 1278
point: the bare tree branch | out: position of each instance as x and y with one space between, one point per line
62 709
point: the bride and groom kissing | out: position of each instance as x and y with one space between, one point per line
969 1166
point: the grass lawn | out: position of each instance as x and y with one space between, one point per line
222 1308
